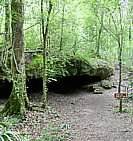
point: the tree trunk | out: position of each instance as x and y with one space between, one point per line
7 40
120 46
98 44
7 22
18 100
44 36
62 26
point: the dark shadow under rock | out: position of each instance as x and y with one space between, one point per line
71 83
5 88
34 85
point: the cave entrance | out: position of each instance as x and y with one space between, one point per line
71 83
5 89
34 89
34 85
63 85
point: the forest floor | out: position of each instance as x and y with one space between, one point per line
82 116
93 117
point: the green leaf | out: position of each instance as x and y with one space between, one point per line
6 137
1 138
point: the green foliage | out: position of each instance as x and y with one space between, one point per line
131 68
32 39
6 124
82 35
81 31
10 121
53 133
7 135
1 43
35 68
67 65
56 67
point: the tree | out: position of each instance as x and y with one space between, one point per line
99 35
7 39
18 100
44 36
7 21
118 34
120 44
62 25
120 47
7 31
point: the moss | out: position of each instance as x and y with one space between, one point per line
55 67
69 66
17 101
35 68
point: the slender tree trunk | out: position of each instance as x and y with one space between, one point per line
99 35
7 41
18 100
7 22
44 44
120 71
130 39
62 26
130 32
120 45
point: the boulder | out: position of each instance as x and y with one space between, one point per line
72 66
92 67
95 88
88 87
98 91
107 84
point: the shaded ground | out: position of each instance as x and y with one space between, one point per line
86 116
93 117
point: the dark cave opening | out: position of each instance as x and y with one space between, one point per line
71 83
34 85
5 89
64 85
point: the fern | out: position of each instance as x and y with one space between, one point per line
7 135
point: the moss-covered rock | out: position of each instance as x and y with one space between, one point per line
35 67
92 67
71 66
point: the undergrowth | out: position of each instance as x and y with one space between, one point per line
53 133
6 133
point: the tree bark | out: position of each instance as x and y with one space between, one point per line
62 26
7 40
44 44
7 21
120 46
99 35
18 100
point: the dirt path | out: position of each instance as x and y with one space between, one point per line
92 117
88 117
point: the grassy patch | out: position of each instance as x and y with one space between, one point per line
10 121
125 109
6 134
53 133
